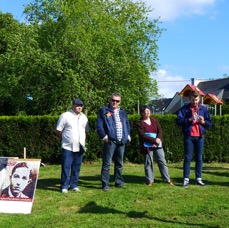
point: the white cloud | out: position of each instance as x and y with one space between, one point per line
169 84
172 9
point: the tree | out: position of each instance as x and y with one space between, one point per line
87 49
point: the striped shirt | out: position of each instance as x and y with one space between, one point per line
118 125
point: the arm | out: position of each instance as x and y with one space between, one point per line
205 120
184 117
100 125
59 133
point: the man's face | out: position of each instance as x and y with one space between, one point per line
77 108
115 102
19 180
195 101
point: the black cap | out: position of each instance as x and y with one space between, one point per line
77 102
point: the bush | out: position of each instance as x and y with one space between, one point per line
37 134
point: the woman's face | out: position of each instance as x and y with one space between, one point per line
146 113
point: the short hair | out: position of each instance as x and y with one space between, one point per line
115 94
21 165
143 108
194 93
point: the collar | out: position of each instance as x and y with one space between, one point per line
79 114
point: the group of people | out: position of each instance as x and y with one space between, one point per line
113 128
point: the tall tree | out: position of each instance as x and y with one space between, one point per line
87 49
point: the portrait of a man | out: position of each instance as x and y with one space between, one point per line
20 179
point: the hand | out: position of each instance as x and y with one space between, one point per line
158 141
106 139
201 119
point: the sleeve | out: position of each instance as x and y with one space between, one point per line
182 118
127 124
100 124
159 129
60 123
207 118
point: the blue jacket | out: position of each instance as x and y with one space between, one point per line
183 119
105 124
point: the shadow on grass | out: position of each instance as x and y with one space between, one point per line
52 184
94 182
92 207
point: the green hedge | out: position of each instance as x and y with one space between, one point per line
37 134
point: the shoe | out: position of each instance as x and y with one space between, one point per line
170 183
150 184
200 183
64 190
185 183
76 189
106 189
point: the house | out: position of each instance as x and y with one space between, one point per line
219 87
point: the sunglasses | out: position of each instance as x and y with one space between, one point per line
117 101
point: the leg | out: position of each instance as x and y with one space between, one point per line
75 170
198 147
148 167
66 164
160 159
118 164
108 151
188 148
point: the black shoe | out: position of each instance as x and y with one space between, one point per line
106 189
200 183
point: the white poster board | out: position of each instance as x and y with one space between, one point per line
18 180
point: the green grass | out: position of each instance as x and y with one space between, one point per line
138 205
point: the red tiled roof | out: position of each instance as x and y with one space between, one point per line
185 92
208 98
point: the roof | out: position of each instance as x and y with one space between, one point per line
219 87
211 98
185 92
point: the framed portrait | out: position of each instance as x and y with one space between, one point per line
18 180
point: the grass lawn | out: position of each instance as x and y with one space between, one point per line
139 205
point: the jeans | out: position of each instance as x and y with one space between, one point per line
159 156
197 144
70 168
115 151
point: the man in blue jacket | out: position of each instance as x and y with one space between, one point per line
194 119
113 128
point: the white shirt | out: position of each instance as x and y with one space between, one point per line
73 128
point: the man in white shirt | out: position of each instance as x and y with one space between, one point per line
72 127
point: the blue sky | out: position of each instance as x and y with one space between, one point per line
194 45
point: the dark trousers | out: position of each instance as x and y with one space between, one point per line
70 170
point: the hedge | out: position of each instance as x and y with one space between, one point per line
37 134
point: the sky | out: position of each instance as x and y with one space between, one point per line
194 43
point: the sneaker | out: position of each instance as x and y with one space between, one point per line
106 189
170 183
76 189
200 182
185 183
64 190
150 184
